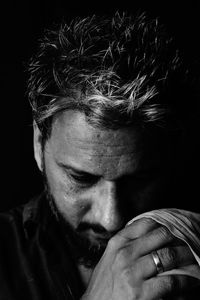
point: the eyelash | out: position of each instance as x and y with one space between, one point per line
83 180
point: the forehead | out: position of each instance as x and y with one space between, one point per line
109 153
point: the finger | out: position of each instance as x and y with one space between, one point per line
153 240
165 286
171 258
131 232
144 268
136 229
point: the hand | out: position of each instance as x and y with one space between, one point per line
127 271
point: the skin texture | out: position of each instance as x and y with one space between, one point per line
103 178
121 172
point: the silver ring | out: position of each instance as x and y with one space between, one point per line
157 262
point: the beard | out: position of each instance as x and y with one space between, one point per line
83 250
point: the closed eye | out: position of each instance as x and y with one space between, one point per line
78 176
84 179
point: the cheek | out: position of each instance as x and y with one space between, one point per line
65 194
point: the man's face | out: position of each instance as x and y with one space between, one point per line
99 179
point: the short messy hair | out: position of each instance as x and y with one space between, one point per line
118 70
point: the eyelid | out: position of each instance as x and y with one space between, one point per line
84 178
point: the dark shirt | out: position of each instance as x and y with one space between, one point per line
35 262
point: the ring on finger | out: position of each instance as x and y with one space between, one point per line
157 262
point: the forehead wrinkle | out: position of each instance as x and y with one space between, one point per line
110 167
95 147
102 151
105 140
86 142
105 147
105 165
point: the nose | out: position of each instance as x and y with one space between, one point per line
105 208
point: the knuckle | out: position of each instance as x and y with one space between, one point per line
168 257
146 225
142 226
121 263
121 258
113 243
147 221
164 233
126 274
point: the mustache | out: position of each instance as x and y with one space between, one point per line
101 232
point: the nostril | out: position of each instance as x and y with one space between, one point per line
99 229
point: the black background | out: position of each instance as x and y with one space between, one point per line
22 24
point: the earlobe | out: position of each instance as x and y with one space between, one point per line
37 142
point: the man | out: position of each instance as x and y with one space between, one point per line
104 95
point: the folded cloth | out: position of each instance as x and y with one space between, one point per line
184 225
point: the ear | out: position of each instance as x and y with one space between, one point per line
37 142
